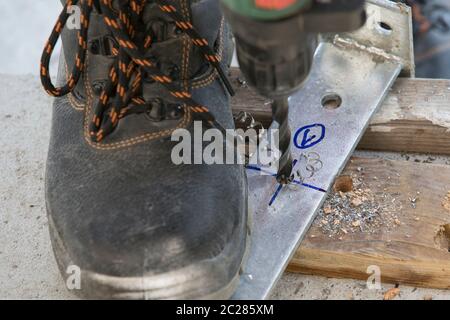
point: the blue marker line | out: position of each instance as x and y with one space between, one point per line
309 186
275 195
253 168
280 186
261 170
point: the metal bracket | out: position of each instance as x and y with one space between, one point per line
387 34
350 78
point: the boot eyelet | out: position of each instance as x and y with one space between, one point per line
94 47
104 46
174 72
175 113
178 31
98 86
78 95
156 112
159 111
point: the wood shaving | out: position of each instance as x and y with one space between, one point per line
327 210
446 202
391 294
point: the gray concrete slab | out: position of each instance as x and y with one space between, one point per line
27 266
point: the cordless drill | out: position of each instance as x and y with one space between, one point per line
276 41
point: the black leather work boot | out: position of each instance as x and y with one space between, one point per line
137 225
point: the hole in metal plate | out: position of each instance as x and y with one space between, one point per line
331 101
385 28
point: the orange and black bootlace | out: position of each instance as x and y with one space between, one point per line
124 86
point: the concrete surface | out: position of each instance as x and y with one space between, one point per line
24 29
27 266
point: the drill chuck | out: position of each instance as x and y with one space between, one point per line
274 55
276 41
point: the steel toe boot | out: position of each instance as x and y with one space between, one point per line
136 225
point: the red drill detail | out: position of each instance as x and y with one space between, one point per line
274 4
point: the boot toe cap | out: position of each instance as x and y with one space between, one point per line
131 240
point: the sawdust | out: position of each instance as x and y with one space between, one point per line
391 294
446 202
360 210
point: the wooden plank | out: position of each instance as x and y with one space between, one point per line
413 250
414 118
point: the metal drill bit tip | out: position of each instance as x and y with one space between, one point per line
283 179
284 175
280 112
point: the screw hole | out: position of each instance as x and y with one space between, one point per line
385 28
331 101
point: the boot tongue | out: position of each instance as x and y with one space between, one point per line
207 19
173 50
169 50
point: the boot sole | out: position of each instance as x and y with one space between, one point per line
98 286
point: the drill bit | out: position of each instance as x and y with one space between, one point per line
280 114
